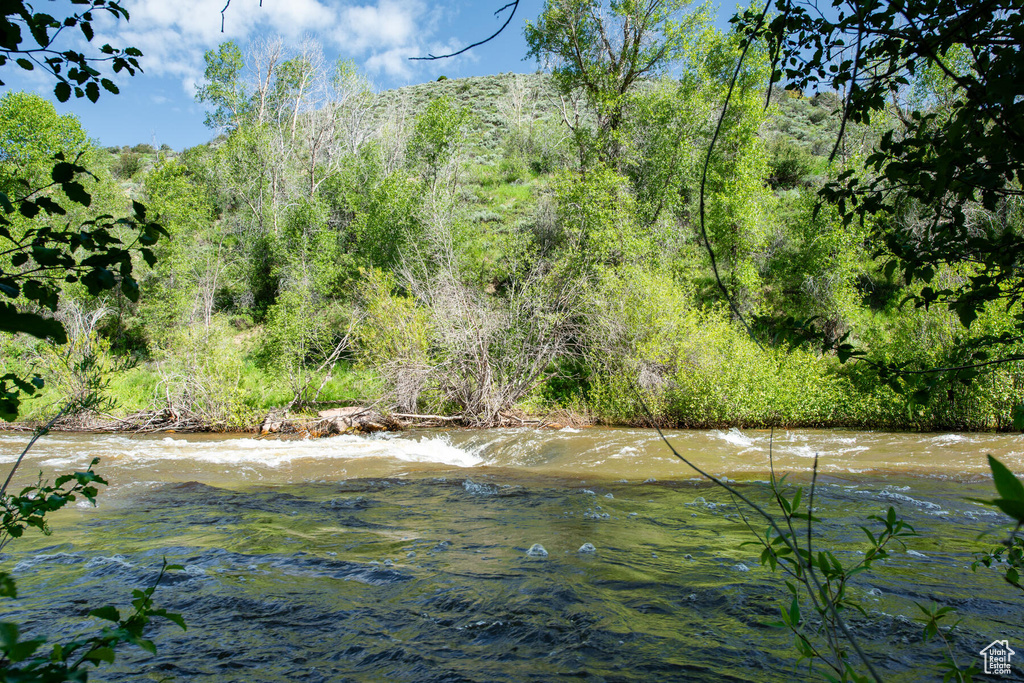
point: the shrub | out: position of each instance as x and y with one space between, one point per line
127 165
789 164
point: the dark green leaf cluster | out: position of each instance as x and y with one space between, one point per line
30 507
29 39
1010 554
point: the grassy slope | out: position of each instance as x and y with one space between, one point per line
500 201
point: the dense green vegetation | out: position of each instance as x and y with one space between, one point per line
592 244
441 249
510 245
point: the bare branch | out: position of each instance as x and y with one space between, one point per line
514 5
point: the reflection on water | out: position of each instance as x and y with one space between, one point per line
405 557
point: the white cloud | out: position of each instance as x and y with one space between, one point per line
173 35
394 63
386 25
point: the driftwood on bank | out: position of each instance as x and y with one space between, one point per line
354 419
347 420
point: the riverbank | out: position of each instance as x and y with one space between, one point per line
368 420
323 423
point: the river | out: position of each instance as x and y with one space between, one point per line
403 557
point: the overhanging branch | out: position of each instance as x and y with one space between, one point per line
514 5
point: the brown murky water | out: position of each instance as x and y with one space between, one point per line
403 557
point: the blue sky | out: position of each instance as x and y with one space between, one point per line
379 35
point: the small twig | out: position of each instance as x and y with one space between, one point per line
35 437
514 5
810 506
226 5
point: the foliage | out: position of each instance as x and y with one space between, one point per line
789 166
605 49
436 135
73 71
38 261
70 661
596 216
30 507
1011 503
36 256
820 579
942 187
42 258
222 89
385 207
31 133
692 367
1010 554
276 223
394 337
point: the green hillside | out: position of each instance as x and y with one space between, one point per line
458 250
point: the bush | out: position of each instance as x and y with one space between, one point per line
693 367
789 164
394 338
127 165
512 169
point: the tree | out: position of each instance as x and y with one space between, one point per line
223 88
38 258
436 136
943 188
31 133
606 48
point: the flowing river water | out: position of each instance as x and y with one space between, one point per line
403 557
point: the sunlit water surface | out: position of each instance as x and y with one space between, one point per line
403 557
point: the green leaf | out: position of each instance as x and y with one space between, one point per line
8 589
28 209
63 172
102 654
1014 508
108 613
1008 486
17 650
172 617
76 193
62 91
33 324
